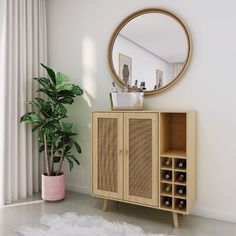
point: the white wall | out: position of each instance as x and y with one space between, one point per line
144 63
78 36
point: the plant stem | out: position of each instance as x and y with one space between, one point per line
61 161
46 155
52 159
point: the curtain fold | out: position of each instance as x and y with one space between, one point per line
23 48
177 67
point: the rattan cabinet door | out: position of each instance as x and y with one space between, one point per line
107 164
141 158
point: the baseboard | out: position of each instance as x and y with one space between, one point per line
78 189
214 214
197 211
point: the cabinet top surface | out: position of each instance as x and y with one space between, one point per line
144 111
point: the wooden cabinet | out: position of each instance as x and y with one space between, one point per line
145 158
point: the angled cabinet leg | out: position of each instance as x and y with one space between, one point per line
175 220
104 206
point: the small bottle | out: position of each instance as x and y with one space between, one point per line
181 190
181 204
182 164
135 86
167 188
168 175
168 162
181 177
113 89
167 201
142 86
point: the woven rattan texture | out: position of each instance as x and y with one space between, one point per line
140 157
107 154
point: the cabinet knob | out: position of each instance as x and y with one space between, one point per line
126 152
120 152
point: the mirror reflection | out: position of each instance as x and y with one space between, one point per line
150 51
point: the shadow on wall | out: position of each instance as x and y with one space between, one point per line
79 178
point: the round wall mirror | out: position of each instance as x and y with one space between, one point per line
149 50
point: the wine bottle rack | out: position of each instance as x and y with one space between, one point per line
175 150
174 184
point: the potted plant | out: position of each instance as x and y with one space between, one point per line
55 136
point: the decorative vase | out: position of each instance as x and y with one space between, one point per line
53 187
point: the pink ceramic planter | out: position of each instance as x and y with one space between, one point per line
53 187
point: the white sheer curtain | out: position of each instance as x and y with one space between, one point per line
23 47
177 68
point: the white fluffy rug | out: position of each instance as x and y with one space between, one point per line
70 224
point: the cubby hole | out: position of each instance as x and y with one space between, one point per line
166 189
166 162
166 175
173 134
180 164
180 191
180 177
166 202
180 204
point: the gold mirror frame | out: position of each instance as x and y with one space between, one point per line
139 13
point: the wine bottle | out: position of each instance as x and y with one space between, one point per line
168 162
167 188
181 164
181 190
113 89
181 177
181 204
168 175
167 201
142 86
135 86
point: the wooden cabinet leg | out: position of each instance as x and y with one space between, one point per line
175 220
105 203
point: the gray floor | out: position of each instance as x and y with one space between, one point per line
151 220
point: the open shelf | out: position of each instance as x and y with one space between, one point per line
178 175
165 168
164 199
180 170
180 164
180 196
173 134
178 188
166 163
177 203
164 174
165 187
178 183
166 194
174 153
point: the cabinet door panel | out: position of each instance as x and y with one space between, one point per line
107 154
141 158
